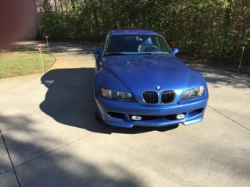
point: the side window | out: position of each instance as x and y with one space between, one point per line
154 41
162 45
114 44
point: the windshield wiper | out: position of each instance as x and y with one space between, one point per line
152 53
116 53
148 53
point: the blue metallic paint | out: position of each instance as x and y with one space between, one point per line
139 73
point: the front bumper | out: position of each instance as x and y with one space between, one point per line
117 113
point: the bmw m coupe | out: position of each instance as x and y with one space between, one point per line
140 82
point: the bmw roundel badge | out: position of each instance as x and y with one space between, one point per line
157 87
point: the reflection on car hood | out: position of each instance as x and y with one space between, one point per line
144 72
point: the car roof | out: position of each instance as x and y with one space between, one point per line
132 31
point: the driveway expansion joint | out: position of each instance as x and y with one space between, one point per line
12 165
58 148
229 118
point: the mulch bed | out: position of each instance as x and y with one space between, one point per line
201 59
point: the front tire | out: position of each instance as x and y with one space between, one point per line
174 126
97 116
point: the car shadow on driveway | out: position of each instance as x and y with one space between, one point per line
70 101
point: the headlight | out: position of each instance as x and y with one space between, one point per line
117 95
193 93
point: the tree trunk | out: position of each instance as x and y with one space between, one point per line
55 5
73 4
37 29
227 25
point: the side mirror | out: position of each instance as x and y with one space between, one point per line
175 51
96 52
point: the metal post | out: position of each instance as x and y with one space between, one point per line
40 49
47 41
243 48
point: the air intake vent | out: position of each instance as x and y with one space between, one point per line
167 97
150 97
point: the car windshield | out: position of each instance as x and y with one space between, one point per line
136 44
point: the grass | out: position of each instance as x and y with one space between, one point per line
18 63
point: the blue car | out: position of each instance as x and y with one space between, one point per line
140 82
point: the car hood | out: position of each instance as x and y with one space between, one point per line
143 72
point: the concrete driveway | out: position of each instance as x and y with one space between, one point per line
49 136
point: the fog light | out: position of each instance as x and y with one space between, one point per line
137 118
180 116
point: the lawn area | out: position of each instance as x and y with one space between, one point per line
20 63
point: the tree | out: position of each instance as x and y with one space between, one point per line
214 28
